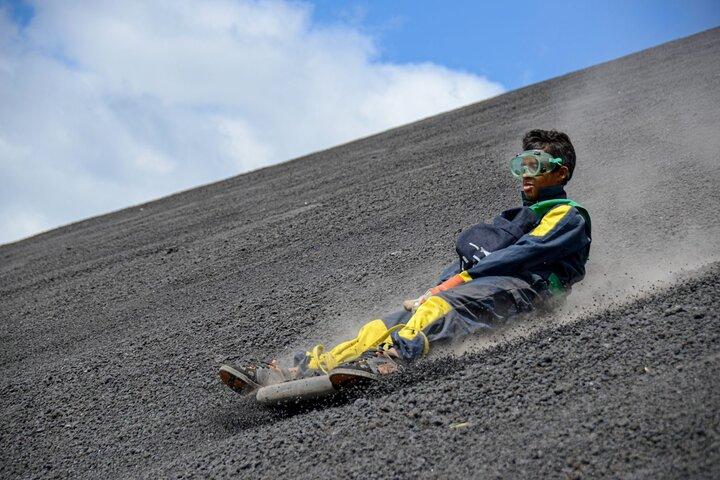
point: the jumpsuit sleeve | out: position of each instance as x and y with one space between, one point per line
561 232
449 271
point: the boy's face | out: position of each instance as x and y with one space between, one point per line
532 185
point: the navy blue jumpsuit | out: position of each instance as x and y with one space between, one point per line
539 259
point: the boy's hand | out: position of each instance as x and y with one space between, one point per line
412 305
452 282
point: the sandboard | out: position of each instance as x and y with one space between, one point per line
296 391
312 388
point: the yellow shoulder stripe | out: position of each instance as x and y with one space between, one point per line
550 220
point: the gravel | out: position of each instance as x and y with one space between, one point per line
112 328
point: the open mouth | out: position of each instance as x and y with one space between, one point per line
527 185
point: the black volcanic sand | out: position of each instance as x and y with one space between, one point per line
113 328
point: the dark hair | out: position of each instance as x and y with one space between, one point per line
555 143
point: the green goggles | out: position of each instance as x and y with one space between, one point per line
533 163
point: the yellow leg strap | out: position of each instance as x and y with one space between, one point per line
370 336
375 333
430 311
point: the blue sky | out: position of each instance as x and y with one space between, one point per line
515 43
107 104
520 42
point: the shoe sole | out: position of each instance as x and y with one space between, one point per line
347 377
237 381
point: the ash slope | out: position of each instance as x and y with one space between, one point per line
112 328
632 392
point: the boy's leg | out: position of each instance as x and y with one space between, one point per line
372 335
452 314
479 304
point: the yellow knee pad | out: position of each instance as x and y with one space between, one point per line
430 311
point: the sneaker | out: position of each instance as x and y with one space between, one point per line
370 366
247 379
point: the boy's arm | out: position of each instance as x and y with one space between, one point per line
560 233
450 271
451 282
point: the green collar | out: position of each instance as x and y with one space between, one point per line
541 208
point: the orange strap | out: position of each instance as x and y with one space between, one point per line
451 282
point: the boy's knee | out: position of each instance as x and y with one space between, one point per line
410 341
429 312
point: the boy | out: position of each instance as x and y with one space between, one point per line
527 258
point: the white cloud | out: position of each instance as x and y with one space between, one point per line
104 104
153 162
